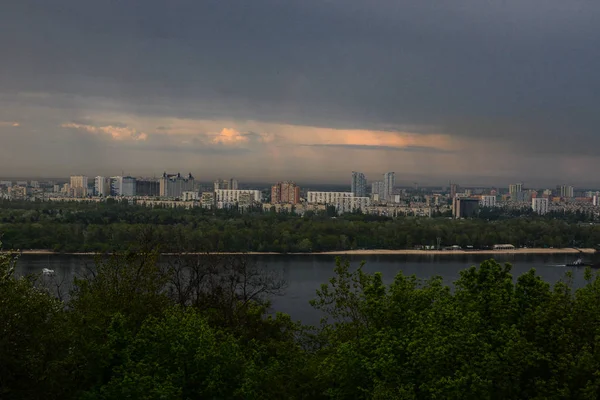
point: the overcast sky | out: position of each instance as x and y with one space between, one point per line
474 91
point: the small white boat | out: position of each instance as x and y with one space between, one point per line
47 271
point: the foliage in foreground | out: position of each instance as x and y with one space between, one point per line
136 330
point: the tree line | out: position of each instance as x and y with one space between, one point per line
100 227
200 327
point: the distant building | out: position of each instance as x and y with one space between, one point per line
453 190
128 186
101 186
207 200
515 188
464 207
226 184
540 205
358 185
488 201
330 198
173 185
79 186
190 196
351 204
6 183
567 191
147 187
227 197
285 193
389 181
18 192
377 190
591 193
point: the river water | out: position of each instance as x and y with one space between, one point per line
305 273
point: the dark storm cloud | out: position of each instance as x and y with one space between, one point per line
519 72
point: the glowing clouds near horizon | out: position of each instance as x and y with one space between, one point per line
229 136
115 132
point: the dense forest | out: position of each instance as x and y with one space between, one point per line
200 328
99 227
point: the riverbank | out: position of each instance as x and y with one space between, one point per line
524 251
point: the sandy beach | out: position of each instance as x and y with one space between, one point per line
378 252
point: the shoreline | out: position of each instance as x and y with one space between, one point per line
527 251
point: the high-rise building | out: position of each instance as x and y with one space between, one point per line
566 191
515 188
127 185
101 186
453 190
226 184
389 181
285 193
79 185
464 207
540 205
147 187
377 187
173 185
358 184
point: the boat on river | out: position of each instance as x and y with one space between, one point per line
580 263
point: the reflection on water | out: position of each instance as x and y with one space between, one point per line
305 273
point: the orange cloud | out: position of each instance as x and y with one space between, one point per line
115 132
271 134
229 136
9 123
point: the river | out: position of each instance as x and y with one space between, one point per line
305 273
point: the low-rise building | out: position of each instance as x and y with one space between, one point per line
326 197
207 200
190 196
352 204
18 192
225 197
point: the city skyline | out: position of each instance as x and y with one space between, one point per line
406 182
473 92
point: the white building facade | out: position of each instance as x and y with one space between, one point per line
488 201
326 197
101 186
540 205
79 185
389 181
229 196
352 204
